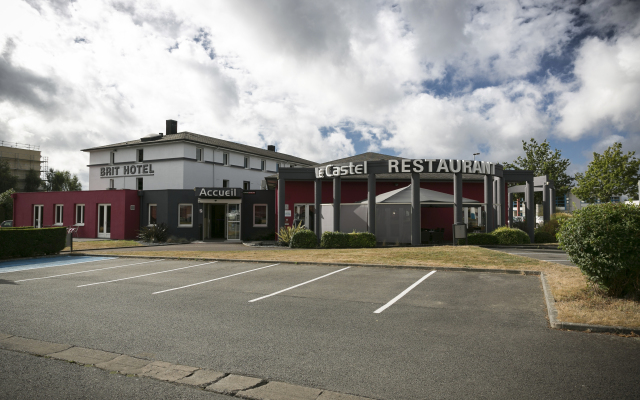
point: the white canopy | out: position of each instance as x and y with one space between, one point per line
403 196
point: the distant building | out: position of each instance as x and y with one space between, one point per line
22 158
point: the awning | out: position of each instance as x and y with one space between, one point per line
429 197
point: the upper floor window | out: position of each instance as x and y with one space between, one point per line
140 155
246 162
225 158
225 183
112 157
58 214
263 165
199 154
246 185
112 184
139 184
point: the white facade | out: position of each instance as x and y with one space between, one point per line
174 165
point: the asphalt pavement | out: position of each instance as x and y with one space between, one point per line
550 255
448 335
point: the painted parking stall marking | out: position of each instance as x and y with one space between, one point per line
298 285
22 265
90 270
140 276
212 280
407 290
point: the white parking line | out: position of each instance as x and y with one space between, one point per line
407 290
216 279
140 276
82 272
300 284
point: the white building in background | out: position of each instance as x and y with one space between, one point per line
184 160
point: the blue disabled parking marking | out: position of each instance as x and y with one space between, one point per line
35 263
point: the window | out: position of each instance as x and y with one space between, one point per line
112 158
246 162
58 214
225 158
185 215
79 214
246 185
139 184
199 154
225 183
263 165
153 214
140 155
259 215
277 166
112 184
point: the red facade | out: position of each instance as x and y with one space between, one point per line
125 210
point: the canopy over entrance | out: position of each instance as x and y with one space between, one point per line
431 197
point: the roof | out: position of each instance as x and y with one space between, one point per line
211 141
369 156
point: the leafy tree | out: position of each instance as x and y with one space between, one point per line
32 181
542 161
7 179
6 205
609 174
58 181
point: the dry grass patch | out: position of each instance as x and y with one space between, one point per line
575 302
103 244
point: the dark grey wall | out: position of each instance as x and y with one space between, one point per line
248 231
167 202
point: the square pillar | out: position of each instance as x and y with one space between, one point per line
510 215
488 199
457 198
552 204
415 208
371 198
530 210
337 186
500 208
281 184
318 205
546 202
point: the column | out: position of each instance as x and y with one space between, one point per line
318 206
510 207
488 199
281 184
371 198
457 198
546 202
530 210
336 203
415 208
552 204
500 218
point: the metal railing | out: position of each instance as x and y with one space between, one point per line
19 145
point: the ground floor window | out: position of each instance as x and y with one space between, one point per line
58 220
37 215
259 215
79 214
185 212
153 214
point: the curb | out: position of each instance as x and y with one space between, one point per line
239 386
530 247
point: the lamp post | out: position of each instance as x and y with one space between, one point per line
474 156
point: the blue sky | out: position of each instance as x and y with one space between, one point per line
323 80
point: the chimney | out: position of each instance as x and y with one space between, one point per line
271 147
172 127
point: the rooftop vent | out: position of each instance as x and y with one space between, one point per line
153 136
172 127
271 147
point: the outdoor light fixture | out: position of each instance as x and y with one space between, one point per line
474 156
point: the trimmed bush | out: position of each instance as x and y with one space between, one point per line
603 240
154 233
334 240
304 239
508 235
29 242
481 239
544 237
362 239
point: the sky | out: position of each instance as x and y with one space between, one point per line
323 79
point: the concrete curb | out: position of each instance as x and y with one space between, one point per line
530 247
247 387
553 317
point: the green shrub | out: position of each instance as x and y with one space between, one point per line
481 239
334 240
153 233
358 240
603 240
508 235
544 237
287 232
304 239
29 242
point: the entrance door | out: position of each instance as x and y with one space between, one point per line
37 216
104 221
217 221
233 221
305 213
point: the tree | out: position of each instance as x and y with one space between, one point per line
58 181
7 179
542 161
6 205
32 181
609 174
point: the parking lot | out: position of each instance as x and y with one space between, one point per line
376 332
550 255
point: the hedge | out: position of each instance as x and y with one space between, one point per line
480 239
544 237
29 242
340 240
508 235
304 239
603 240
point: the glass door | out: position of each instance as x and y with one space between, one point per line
37 216
233 221
104 221
305 213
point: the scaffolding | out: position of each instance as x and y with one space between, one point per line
22 158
